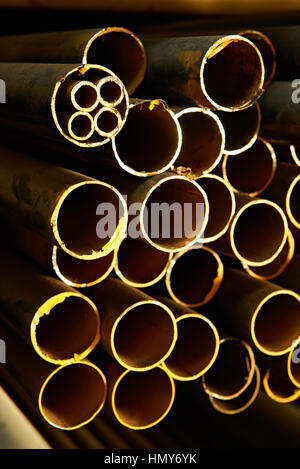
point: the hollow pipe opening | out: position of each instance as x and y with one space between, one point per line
110 91
65 328
275 323
84 96
73 395
107 122
141 400
151 140
194 276
279 387
81 125
258 232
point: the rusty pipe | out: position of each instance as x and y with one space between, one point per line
253 170
256 233
232 371
151 130
38 97
138 400
131 258
222 206
197 65
252 308
61 205
241 128
116 48
136 330
285 191
197 345
62 324
203 141
57 390
278 265
194 276
243 401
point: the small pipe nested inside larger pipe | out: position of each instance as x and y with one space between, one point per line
107 122
258 232
80 273
278 265
84 95
293 365
222 206
203 140
110 91
81 125
151 140
252 170
141 400
121 51
144 335
196 347
241 128
73 395
81 227
194 276
65 328
232 370
174 213
232 73
131 259
275 323
243 401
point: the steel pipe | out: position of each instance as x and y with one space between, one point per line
276 381
136 330
290 277
194 276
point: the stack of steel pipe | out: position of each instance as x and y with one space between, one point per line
176 210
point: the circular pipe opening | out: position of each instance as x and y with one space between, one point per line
196 347
222 206
276 322
79 273
203 141
73 395
84 96
258 232
293 202
121 51
232 370
241 128
110 91
151 140
279 387
232 73
81 125
194 277
144 335
141 400
242 402
107 122
174 213
253 170
133 256
65 328
89 219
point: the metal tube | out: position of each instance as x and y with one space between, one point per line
136 330
222 206
62 324
197 66
58 391
232 371
287 154
256 233
241 128
285 191
289 278
280 114
252 308
253 170
278 265
194 276
243 401
203 140
48 199
197 345
276 381
116 48
38 94
80 125
138 400
151 130
131 258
